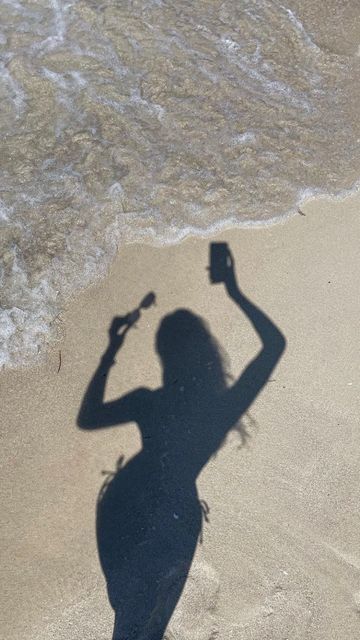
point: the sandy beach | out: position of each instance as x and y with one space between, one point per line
278 557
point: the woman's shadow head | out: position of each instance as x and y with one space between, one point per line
192 360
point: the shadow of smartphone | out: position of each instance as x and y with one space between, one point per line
219 261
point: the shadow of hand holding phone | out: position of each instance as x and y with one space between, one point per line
149 516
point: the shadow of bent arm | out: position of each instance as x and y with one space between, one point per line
244 391
94 413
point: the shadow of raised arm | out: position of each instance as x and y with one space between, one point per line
94 412
244 391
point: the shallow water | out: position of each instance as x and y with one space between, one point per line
152 120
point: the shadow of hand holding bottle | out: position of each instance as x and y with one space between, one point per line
149 516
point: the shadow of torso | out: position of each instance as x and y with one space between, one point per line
149 516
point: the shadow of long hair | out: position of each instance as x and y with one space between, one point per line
193 358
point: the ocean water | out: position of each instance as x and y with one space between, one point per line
149 120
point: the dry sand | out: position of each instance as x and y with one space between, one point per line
280 554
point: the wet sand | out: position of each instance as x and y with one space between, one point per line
279 553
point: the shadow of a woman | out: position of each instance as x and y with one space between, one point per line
149 516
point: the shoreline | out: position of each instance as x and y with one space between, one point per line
306 202
281 542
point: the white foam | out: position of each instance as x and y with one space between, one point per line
268 85
56 38
5 212
300 29
15 90
242 138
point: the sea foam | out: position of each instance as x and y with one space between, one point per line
151 121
